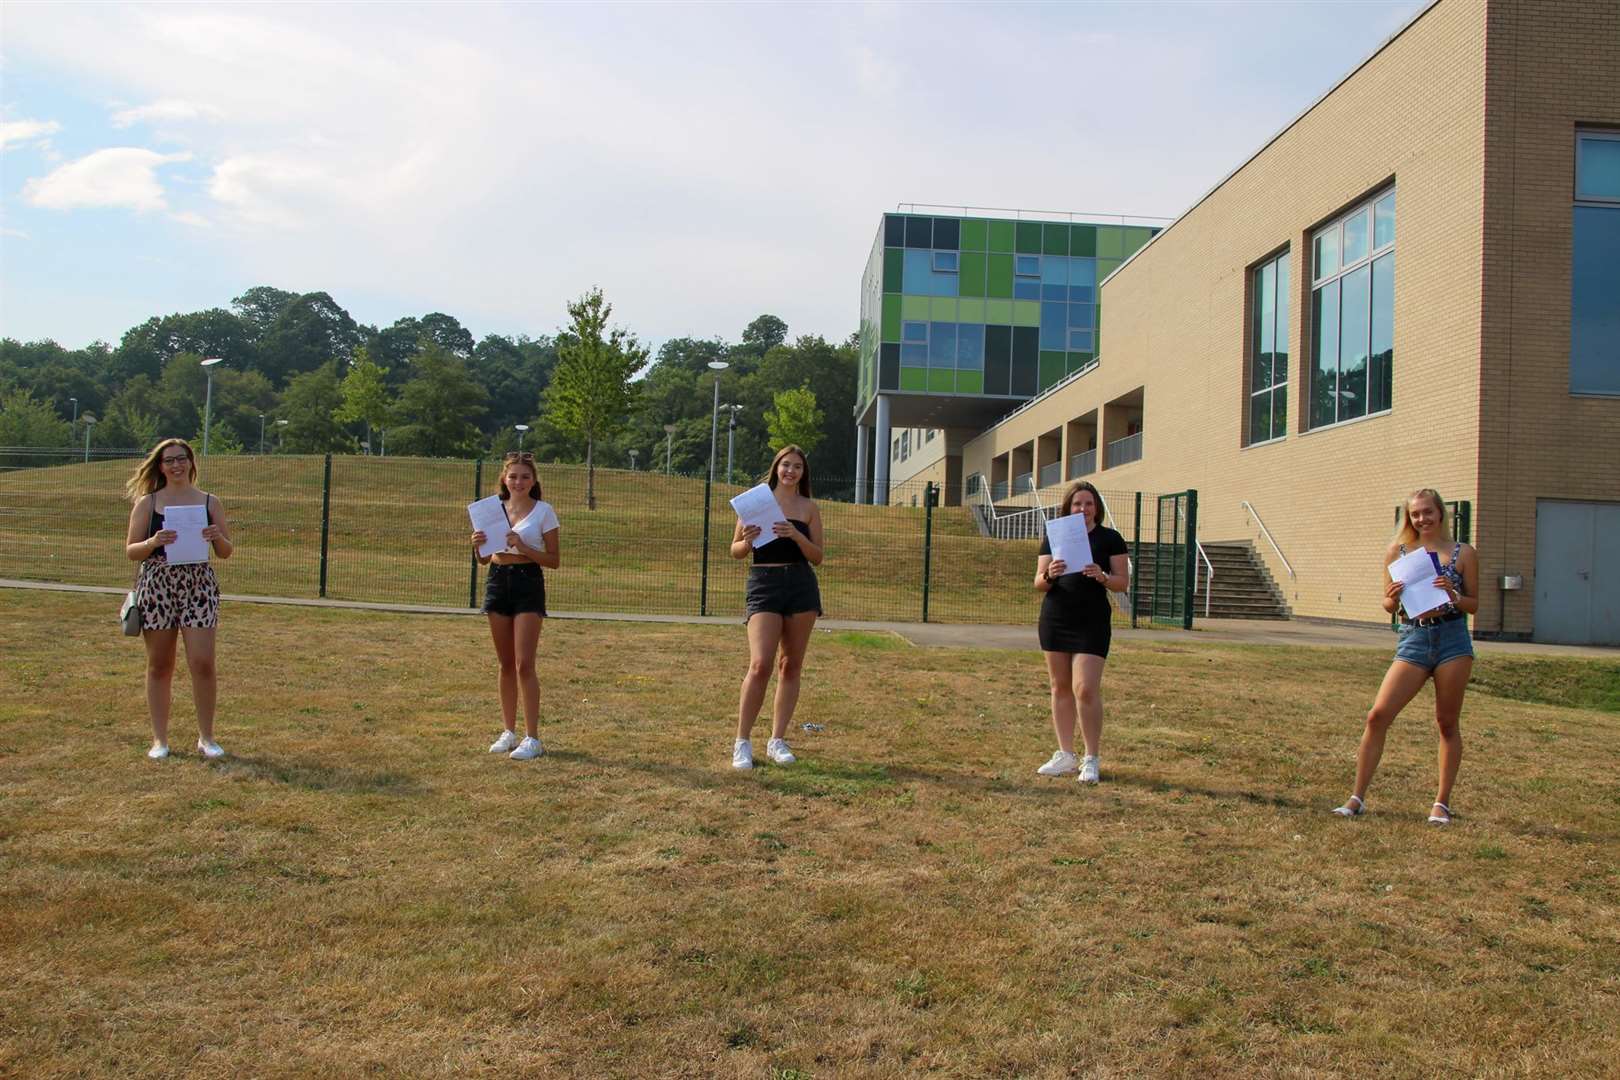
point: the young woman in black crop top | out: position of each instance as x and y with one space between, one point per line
784 600
175 601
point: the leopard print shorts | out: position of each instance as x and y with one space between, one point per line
174 596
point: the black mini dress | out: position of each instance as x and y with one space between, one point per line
1076 612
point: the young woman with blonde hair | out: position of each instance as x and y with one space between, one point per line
784 600
1434 645
175 601
515 599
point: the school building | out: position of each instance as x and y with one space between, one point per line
1415 284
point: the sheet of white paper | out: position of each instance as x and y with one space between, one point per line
1069 542
758 506
189 522
489 516
1416 571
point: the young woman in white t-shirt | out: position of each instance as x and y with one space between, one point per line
515 599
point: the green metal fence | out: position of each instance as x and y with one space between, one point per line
396 530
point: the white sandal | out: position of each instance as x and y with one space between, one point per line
1351 811
1441 819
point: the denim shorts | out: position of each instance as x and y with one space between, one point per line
783 590
515 589
1430 646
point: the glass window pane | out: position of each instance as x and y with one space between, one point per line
974 234
1001 237
970 347
1025 289
1028 266
1083 272
1355 238
1325 354
943 284
1384 221
1379 381
1059 293
1279 413
1082 239
1029 237
945 261
1326 252
1081 294
1080 316
916 331
889 368
1354 300
1597 168
919 232
893 269
918 273
942 345
913 356
1055 326
1000 282
1080 340
947 231
1279 351
1594 338
1266 293
1054 270
894 230
1055 239
1260 417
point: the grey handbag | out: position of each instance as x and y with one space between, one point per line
130 615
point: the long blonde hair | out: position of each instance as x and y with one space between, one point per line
1409 534
149 475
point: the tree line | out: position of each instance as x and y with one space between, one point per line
301 376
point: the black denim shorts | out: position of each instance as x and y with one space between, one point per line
515 589
783 590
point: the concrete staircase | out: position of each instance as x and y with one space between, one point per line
1243 588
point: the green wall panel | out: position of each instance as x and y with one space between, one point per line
894 265
1055 240
975 234
1110 242
941 381
913 378
1106 267
970 382
1054 365
998 312
970 309
1001 236
1000 281
1083 240
914 308
1135 237
942 309
1078 360
1026 313
971 273
1029 238
891 317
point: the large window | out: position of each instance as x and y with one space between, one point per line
1268 351
1594 310
1352 339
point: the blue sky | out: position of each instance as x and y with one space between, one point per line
701 163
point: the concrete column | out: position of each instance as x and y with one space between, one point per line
863 435
880 454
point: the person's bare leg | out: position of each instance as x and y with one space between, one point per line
525 640
764 634
1058 671
500 631
160 650
1401 684
1450 682
1088 672
796 631
204 680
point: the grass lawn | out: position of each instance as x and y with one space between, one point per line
360 888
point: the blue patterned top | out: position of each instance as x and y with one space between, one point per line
1452 572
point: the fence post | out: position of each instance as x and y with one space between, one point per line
703 593
930 496
1191 583
326 518
1136 560
478 488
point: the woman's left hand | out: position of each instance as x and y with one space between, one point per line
212 533
1095 573
784 528
1444 584
515 541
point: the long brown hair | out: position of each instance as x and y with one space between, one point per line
804 477
149 475
520 457
1409 534
1075 489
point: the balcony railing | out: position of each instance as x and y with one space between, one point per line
1124 451
1051 474
1023 483
1083 464
998 490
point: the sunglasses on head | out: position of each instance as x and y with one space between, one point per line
519 455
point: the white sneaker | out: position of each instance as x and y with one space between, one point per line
529 748
1088 770
505 743
210 749
158 753
742 755
1063 763
779 752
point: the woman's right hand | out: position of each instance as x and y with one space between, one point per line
1056 569
750 532
1393 589
478 538
165 537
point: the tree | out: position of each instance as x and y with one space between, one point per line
307 332
365 396
438 408
307 405
149 347
795 420
27 421
260 306
764 334
591 393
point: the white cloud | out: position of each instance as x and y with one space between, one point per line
18 132
166 111
188 217
120 176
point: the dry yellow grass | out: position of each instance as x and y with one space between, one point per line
360 888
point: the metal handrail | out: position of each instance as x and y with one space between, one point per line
1209 567
1267 533
1018 215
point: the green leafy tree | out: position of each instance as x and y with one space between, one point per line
439 407
795 419
27 421
308 405
306 333
764 334
221 440
260 306
591 394
365 396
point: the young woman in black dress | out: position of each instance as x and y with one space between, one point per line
784 600
1076 626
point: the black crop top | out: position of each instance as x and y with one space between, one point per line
783 550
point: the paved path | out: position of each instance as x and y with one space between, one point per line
1319 634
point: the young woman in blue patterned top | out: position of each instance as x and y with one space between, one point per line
1436 644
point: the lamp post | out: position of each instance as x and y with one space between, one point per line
669 443
716 366
261 434
208 402
382 442
731 436
89 422
633 454
75 402
522 430
281 433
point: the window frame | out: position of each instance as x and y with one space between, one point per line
1599 135
953 257
1580 201
1281 296
1341 271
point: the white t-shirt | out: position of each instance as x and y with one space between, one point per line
541 520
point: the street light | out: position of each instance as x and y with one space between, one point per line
261 434
716 366
208 403
89 422
522 430
75 412
633 454
281 433
731 436
669 442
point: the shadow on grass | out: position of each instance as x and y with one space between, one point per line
1041 787
320 777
